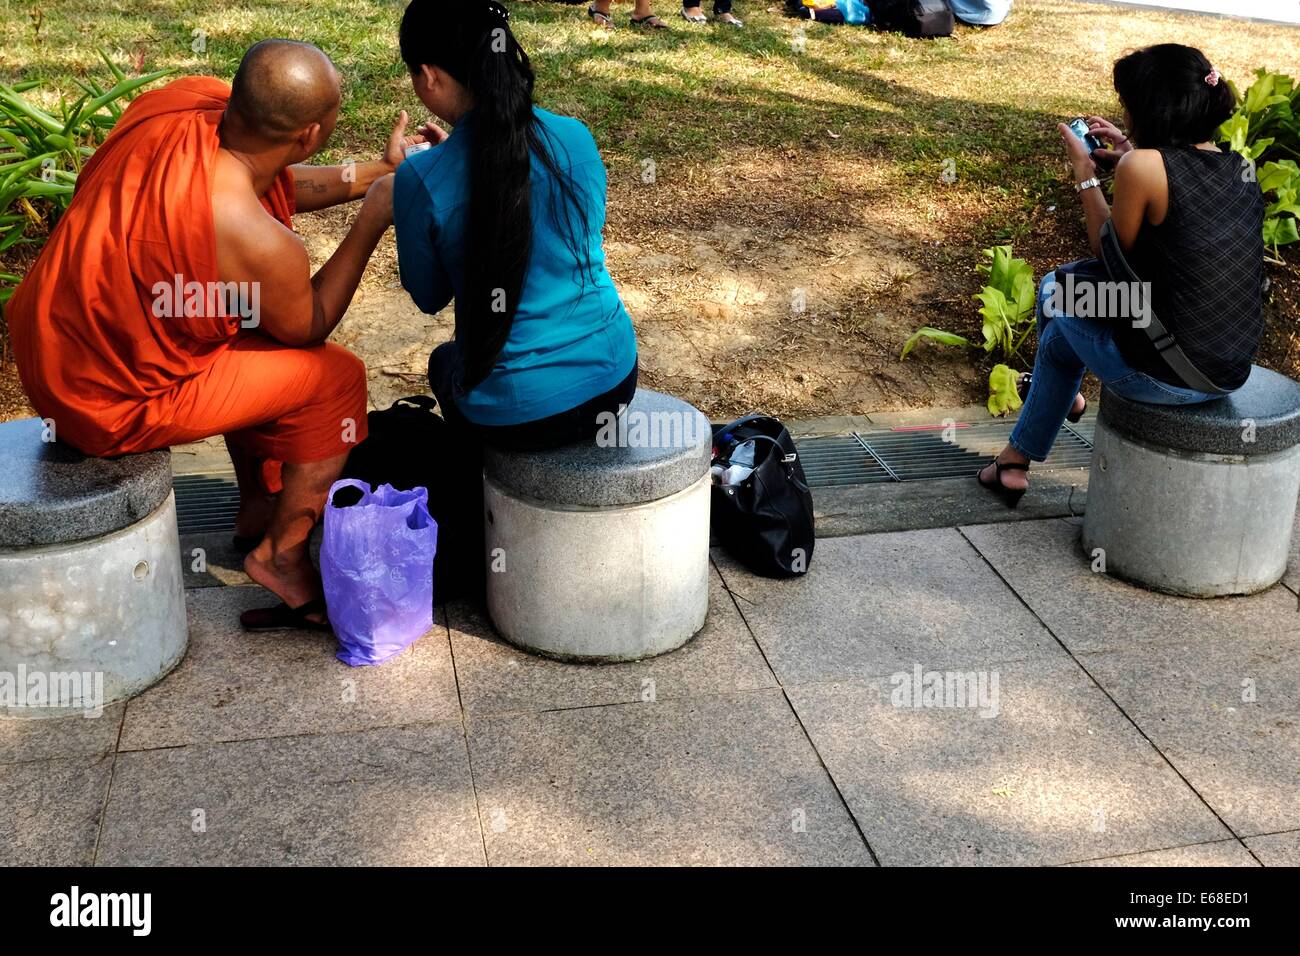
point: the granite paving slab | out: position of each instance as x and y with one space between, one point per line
713 780
1219 853
1090 611
1277 849
236 685
495 676
24 739
392 797
50 810
1226 713
875 604
1056 775
209 559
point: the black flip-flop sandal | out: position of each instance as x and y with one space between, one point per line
644 22
1022 389
600 19
1010 496
285 618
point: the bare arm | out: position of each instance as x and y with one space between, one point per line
319 187
1095 208
1141 191
1141 194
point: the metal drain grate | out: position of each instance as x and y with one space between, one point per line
205 502
924 453
839 460
208 502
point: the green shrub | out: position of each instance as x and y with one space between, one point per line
1007 307
1265 129
41 153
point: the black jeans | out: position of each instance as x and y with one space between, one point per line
580 423
719 6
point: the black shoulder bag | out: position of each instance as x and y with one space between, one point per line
765 521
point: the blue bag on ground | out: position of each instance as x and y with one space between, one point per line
376 562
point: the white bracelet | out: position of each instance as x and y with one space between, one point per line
1087 184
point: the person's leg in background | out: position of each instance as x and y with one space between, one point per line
722 13
1053 392
644 17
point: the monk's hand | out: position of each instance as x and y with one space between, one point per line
399 141
379 199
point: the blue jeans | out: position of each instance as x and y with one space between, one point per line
1067 345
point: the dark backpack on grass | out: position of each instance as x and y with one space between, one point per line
915 18
766 521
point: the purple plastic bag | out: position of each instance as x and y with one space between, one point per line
376 561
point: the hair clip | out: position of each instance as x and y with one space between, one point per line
499 9
1212 77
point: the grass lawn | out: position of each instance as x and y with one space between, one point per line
791 161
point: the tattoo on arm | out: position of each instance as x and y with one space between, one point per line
311 185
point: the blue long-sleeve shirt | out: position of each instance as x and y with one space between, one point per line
571 338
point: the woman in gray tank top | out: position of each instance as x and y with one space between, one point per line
1189 219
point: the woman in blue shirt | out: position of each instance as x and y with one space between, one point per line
505 217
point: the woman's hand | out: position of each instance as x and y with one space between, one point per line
399 141
1077 152
1119 143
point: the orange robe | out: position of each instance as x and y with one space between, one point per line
95 355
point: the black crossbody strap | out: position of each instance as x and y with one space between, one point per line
1120 271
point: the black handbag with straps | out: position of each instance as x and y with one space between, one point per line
765 520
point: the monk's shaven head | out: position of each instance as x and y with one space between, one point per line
282 87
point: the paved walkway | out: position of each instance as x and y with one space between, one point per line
1123 727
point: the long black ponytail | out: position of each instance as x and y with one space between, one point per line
472 41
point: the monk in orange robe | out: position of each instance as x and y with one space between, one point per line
173 301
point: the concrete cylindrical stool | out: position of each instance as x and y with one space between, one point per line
1197 500
600 552
92 603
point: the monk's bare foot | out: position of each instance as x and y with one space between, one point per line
291 578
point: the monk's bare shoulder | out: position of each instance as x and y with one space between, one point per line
251 243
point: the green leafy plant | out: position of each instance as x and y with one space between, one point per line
1265 129
1007 308
42 151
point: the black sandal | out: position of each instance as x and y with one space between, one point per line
645 22
1010 496
285 618
1022 389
